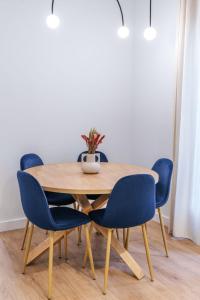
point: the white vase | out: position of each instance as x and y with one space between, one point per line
90 163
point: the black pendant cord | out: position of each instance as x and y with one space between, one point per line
150 13
120 8
121 11
52 6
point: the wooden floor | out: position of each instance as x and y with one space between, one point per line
176 277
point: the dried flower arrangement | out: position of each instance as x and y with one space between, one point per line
93 140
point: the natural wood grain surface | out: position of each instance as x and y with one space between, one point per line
69 178
176 277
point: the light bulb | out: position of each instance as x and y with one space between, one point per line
123 32
53 21
150 33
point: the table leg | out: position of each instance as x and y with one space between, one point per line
123 253
83 202
44 246
100 202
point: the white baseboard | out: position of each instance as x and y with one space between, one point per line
165 219
12 224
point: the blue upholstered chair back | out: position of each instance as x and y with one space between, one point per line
30 160
34 201
103 157
131 203
164 168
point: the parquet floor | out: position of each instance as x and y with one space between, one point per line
176 277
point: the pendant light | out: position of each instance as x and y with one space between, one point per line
123 31
150 32
52 20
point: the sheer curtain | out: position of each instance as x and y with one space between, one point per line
186 219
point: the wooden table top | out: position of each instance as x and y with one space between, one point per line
69 178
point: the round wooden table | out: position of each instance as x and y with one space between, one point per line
69 178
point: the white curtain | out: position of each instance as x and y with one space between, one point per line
186 217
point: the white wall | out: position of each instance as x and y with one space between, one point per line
55 85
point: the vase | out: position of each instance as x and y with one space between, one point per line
90 163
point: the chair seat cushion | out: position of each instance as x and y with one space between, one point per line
97 216
67 218
59 199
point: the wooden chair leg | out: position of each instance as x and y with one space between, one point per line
124 236
65 245
146 243
51 245
163 231
79 235
60 249
79 229
107 262
76 206
117 233
25 234
89 250
127 238
28 245
146 227
86 252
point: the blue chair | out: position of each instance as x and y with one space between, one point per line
36 209
164 168
131 203
56 199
